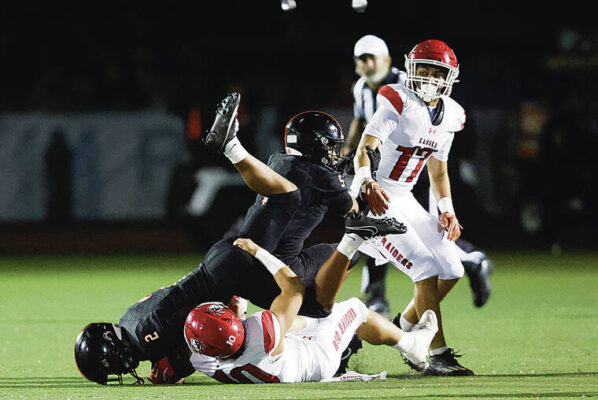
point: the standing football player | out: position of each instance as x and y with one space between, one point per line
414 125
262 349
282 217
373 64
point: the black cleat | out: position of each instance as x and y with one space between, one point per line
380 305
445 364
223 129
479 279
354 346
397 321
367 228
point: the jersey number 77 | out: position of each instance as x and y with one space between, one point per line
423 153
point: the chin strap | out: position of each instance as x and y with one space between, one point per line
139 381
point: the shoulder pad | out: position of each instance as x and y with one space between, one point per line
454 115
393 96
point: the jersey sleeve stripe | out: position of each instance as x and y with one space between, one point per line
269 331
393 97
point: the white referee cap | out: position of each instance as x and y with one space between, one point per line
370 44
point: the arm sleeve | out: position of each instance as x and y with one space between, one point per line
443 152
382 124
265 325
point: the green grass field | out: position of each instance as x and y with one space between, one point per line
537 337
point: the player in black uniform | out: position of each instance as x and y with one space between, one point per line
294 194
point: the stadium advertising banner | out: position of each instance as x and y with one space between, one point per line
108 165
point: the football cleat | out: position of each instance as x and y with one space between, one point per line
224 128
445 364
353 347
397 321
479 279
415 353
367 227
380 305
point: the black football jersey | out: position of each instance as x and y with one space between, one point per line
320 189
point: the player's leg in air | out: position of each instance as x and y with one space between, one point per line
222 138
278 197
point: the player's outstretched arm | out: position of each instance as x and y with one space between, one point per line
286 305
441 187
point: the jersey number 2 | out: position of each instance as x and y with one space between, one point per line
238 377
406 153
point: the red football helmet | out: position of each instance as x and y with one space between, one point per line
214 330
435 53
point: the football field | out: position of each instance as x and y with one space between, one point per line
536 338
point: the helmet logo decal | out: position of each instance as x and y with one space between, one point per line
216 309
196 346
291 138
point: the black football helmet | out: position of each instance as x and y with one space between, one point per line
100 351
315 135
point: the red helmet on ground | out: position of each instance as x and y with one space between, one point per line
214 330
438 54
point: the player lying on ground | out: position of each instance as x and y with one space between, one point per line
152 328
414 126
261 349
104 349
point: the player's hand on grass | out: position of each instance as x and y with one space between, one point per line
248 245
377 198
450 223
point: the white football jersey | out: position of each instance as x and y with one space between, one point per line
256 365
403 125
309 355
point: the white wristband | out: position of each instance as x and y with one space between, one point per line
271 263
446 204
361 175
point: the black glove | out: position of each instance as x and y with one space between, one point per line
374 156
346 164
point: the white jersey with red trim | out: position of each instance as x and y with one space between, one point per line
409 137
309 355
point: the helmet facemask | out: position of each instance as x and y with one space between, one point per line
331 151
426 87
100 352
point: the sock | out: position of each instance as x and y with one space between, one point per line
235 151
406 342
438 351
349 244
406 325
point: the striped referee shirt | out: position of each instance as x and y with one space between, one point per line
364 98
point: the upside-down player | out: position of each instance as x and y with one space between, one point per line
152 328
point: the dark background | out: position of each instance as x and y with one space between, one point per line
519 65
